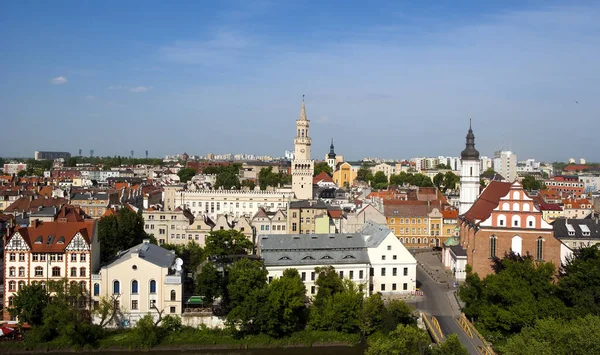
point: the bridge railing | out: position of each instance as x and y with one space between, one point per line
433 326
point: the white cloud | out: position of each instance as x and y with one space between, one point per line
133 89
59 80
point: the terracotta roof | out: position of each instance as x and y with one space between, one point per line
549 207
70 213
487 201
67 230
548 194
576 203
322 177
29 204
574 167
412 210
109 212
450 213
336 214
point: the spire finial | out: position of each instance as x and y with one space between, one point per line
469 122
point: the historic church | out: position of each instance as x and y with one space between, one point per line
302 166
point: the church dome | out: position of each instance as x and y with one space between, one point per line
470 153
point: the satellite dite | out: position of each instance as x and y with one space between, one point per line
177 266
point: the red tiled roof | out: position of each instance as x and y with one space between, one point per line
576 203
322 177
28 204
67 230
450 213
487 201
549 207
109 212
336 214
574 167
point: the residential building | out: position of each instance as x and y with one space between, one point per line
344 174
591 183
416 224
302 214
14 168
566 185
50 251
39 155
577 208
356 220
469 175
505 164
302 166
373 258
94 204
504 219
268 222
577 233
170 227
323 180
387 169
550 211
145 279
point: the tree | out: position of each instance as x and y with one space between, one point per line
323 166
341 311
579 281
450 346
529 183
398 312
266 177
227 180
250 184
380 180
438 180
29 304
227 242
328 283
209 283
246 292
372 316
489 172
450 181
120 232
106 310
282 313
145 333
443 166
405 340
186 174
364 174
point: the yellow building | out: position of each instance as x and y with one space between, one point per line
302 215
344 175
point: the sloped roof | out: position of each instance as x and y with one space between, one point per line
322 177
578 226
68 230
450 213
549 207
30 204
487 201
149 252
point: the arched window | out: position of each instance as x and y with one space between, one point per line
425 240
73 271
21 271
116 287
493 242
505 206
82 285
12 271
540 249
418 240
401 240
516 195
302 132
517 244
516 221
134 286
530 222
96 289
82 272
21 285
501 220
173 295
516 207
152 286
12 286
414 241
526 207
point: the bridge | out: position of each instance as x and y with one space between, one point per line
475 343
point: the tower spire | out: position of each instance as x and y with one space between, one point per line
470 153
303 111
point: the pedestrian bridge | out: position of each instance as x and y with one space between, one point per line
470 335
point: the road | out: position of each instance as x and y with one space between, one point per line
437 302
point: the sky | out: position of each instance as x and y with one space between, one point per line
388 79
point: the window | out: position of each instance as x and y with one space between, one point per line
12 286
360 274
173 309
341 274
21 256
372 272
116 287
383 257
493 241
382 287
312 290
35 257
382 271
81 257
173 295
56 271
73 272
82 286
39 271
394 272
303 276
12 271
405 286
10 301
73 257
294 227
134 287
540 249
152 286
96 289
312 276
52 257
351 274
394 257
21 285
12 257
517 244
134 304
393 287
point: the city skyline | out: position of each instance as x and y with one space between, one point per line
382 81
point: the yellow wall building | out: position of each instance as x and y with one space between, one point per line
344 175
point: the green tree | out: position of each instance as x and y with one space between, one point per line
209 283
186 174
529 183
250 184
438 180
379 181
227 180
443 166
323 166
398 312
245 276
283 311
372 316
266 177
579 281
340 311
404 340
364 174
145 333
120 232
29 304
227 242
450 181
450 346
328 283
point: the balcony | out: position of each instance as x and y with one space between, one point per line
173 280
96 277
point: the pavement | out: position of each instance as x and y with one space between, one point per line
440 301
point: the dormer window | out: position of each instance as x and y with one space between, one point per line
61 240
38 240
326 257
285 258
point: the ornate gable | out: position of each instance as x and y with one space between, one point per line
78 244
16 243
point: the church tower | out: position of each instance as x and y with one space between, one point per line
302 167
469 174
331 157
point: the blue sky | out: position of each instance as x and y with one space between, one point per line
390 79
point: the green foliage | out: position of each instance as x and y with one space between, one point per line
145 334
266 178
443 166
450 346
246 292
450 181
328 283
340 311
364 174
579 282
557 337
250 184
227 242
119 232
209 283
411 179
520 292
379 181
227 177
372 315
29 304
171 324
323 166
397 312
186 174
529 183
404 340
489 172
438 180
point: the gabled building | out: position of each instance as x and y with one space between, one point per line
577 233
50 251
344 174
373 258
302 214
267 222
577 207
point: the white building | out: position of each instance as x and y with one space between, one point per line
486 163
469 175
373 258
302 166
14 168
145 279
505 164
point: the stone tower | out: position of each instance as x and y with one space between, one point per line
331 157
302 166
470 174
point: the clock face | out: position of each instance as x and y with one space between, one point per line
301 150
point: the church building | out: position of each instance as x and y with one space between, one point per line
302 166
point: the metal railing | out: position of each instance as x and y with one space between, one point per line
433 326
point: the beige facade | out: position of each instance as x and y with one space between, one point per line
142 281
302 214
270 222
169 227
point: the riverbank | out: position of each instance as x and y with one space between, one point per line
189 339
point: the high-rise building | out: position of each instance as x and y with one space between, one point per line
505 164
469 176
302 166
